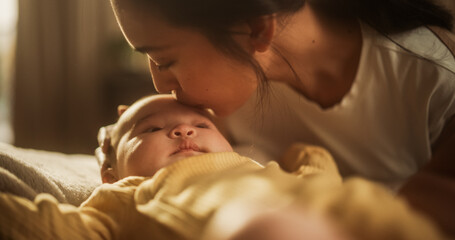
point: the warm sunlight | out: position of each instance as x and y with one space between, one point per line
8 19
8 15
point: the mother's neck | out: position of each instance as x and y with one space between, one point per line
324 53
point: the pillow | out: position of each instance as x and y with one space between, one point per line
70 178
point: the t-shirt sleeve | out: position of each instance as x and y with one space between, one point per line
441 107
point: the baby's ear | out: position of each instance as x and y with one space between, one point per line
121 109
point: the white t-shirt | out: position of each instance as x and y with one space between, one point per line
384 127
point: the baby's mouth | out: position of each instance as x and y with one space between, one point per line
187 146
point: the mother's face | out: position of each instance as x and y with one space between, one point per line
185 61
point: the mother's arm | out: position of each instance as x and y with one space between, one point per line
432 189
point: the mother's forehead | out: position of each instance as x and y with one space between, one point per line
143 26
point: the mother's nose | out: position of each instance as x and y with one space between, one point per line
183 131
164 81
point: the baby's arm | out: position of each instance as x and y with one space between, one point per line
45 218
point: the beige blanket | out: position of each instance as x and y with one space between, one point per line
28 172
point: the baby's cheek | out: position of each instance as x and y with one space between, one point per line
141 166
224 144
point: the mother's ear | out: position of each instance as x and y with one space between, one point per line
262 30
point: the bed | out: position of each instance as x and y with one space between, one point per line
70 178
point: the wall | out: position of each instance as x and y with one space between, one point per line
65 74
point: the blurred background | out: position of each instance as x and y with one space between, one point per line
64 68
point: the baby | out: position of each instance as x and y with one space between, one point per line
153 133
171 174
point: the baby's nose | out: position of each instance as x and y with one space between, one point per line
183 131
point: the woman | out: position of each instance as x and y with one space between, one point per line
365 79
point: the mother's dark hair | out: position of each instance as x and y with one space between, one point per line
388 16
214 17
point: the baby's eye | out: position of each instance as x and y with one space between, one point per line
153 129
202 125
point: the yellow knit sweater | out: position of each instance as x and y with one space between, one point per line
180 201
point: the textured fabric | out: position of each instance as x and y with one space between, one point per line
70 178
384 127
181 199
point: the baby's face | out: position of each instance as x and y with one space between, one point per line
158 131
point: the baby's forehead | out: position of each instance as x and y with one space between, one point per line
158 106
169 112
